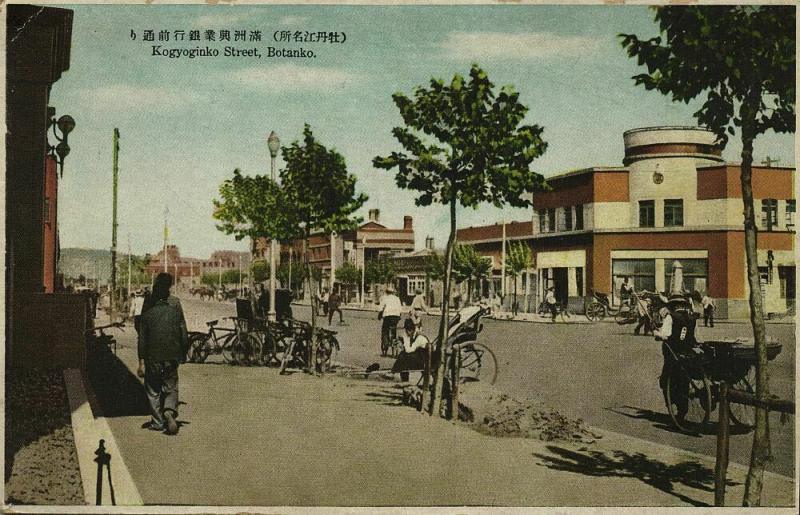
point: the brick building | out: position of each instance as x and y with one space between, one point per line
187 271
675 199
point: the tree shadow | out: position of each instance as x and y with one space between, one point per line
386 397
659 475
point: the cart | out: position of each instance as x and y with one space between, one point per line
698 375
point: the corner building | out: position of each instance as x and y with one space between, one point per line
675 199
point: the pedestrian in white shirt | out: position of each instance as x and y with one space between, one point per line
708 310
137 303
390 310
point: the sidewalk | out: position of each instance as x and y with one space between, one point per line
252 437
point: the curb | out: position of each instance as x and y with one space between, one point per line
87 432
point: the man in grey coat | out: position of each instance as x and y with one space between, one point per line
163 341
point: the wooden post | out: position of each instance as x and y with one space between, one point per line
723 440
456 379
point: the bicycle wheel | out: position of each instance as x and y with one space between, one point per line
697 400
595 311
253 349
269 349
478 363
226 347
198 348
741 414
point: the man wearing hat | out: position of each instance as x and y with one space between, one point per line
677 333
390 313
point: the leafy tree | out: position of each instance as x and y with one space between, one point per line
260 269
517 261
251 207
434 270
463 143
379 271
469 266
139 275
298 275
742 59
319 195
349 275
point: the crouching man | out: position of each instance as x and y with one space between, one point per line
414 355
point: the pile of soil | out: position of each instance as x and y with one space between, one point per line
41 460
495 413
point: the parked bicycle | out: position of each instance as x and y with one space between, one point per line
201 345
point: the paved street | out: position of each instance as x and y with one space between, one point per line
598 372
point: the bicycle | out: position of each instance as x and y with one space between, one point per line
296 341
201 345
389 338
562 311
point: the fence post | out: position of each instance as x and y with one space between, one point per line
723 434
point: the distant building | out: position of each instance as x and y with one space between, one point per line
187 271
674 200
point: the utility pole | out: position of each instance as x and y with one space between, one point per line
129 264
363 267
166 234
219 269
115 171
503 267
240 272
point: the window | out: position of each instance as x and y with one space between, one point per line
769 213
641 272
542 220
695 274
568 218
647 213
579 280
673 213
790 210
551 219
579 217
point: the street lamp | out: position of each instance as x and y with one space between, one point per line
274 144
65 124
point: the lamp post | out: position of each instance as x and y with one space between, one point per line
65 125
274 144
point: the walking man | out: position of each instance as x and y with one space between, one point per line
162 346
550 301
708 310
334 305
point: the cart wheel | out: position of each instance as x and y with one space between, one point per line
478 363
595 311
698 404
742 415
287 356
227 345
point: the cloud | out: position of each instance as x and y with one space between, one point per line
292 77
293 20
520 45
126 97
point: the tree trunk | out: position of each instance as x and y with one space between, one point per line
312 366
445 318
760 454
514 307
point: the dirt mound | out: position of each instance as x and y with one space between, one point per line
41 460
492 412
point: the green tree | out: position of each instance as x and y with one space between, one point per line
463 143
297 273
517 261
319 195
434 270
469 266
251 207
349 275
260 269
742 60
379 271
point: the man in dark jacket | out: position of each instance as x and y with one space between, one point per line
163 342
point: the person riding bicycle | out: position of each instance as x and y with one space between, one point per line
418 307
415 351
677 334
390 313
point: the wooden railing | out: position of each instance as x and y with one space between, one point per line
726 397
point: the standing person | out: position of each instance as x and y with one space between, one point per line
390 310
163 342
550 302
325 298
334 305
414 355
137 303
626 292
708 310
418 307
677 334
643 312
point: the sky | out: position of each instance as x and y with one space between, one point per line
186 124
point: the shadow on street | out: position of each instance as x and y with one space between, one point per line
621 464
